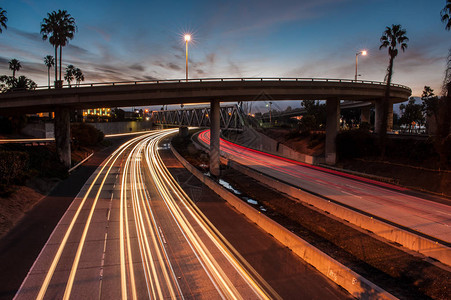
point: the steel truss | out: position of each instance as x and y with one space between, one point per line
231 117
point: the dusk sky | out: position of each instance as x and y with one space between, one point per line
140 40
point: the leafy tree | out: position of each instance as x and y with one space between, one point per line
3 19
411 113
118 114
10 83
79 77
49 62
394 37
317 110
430 103
69 76
446 15
59 27
14 65
351 116
308 123
442 137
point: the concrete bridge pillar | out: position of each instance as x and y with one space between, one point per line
332 126
365 114
379 113
62 135
214 137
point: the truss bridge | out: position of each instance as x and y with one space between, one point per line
231 117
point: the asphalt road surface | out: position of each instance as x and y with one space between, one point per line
386 201
132 232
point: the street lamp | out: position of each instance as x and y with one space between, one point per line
357 61
187 39
270 103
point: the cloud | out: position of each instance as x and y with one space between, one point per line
74 50
32 36
136 67
169 66
242 17
174 66
106 36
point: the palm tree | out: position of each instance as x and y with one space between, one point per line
79 77
392 38
9 83
69 76
3 19
58 27
446 15
24 83
49 62
67 31
49 29
14 65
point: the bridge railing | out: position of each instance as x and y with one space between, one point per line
157 81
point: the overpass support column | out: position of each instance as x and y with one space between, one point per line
365 115
62 135
332 126
214 137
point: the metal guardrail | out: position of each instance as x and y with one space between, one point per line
223 80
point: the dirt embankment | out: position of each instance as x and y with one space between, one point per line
310 144
22 198
405 275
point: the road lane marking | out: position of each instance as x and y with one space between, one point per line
81 244
57 256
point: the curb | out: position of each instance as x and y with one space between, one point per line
352 282
80 163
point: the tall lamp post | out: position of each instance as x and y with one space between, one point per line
187 39
357 61
270 103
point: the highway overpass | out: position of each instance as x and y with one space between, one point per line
212 90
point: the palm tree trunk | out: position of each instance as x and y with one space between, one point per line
56 64
14 73
61 54
385 103
48 75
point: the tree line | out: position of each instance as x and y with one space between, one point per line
58 27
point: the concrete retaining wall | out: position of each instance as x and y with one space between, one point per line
39 130
122 127
45 130
392 233
355 284
258 141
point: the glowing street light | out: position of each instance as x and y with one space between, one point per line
187 39
364 53
270 103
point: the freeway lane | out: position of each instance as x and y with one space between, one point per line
122 238
428 217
